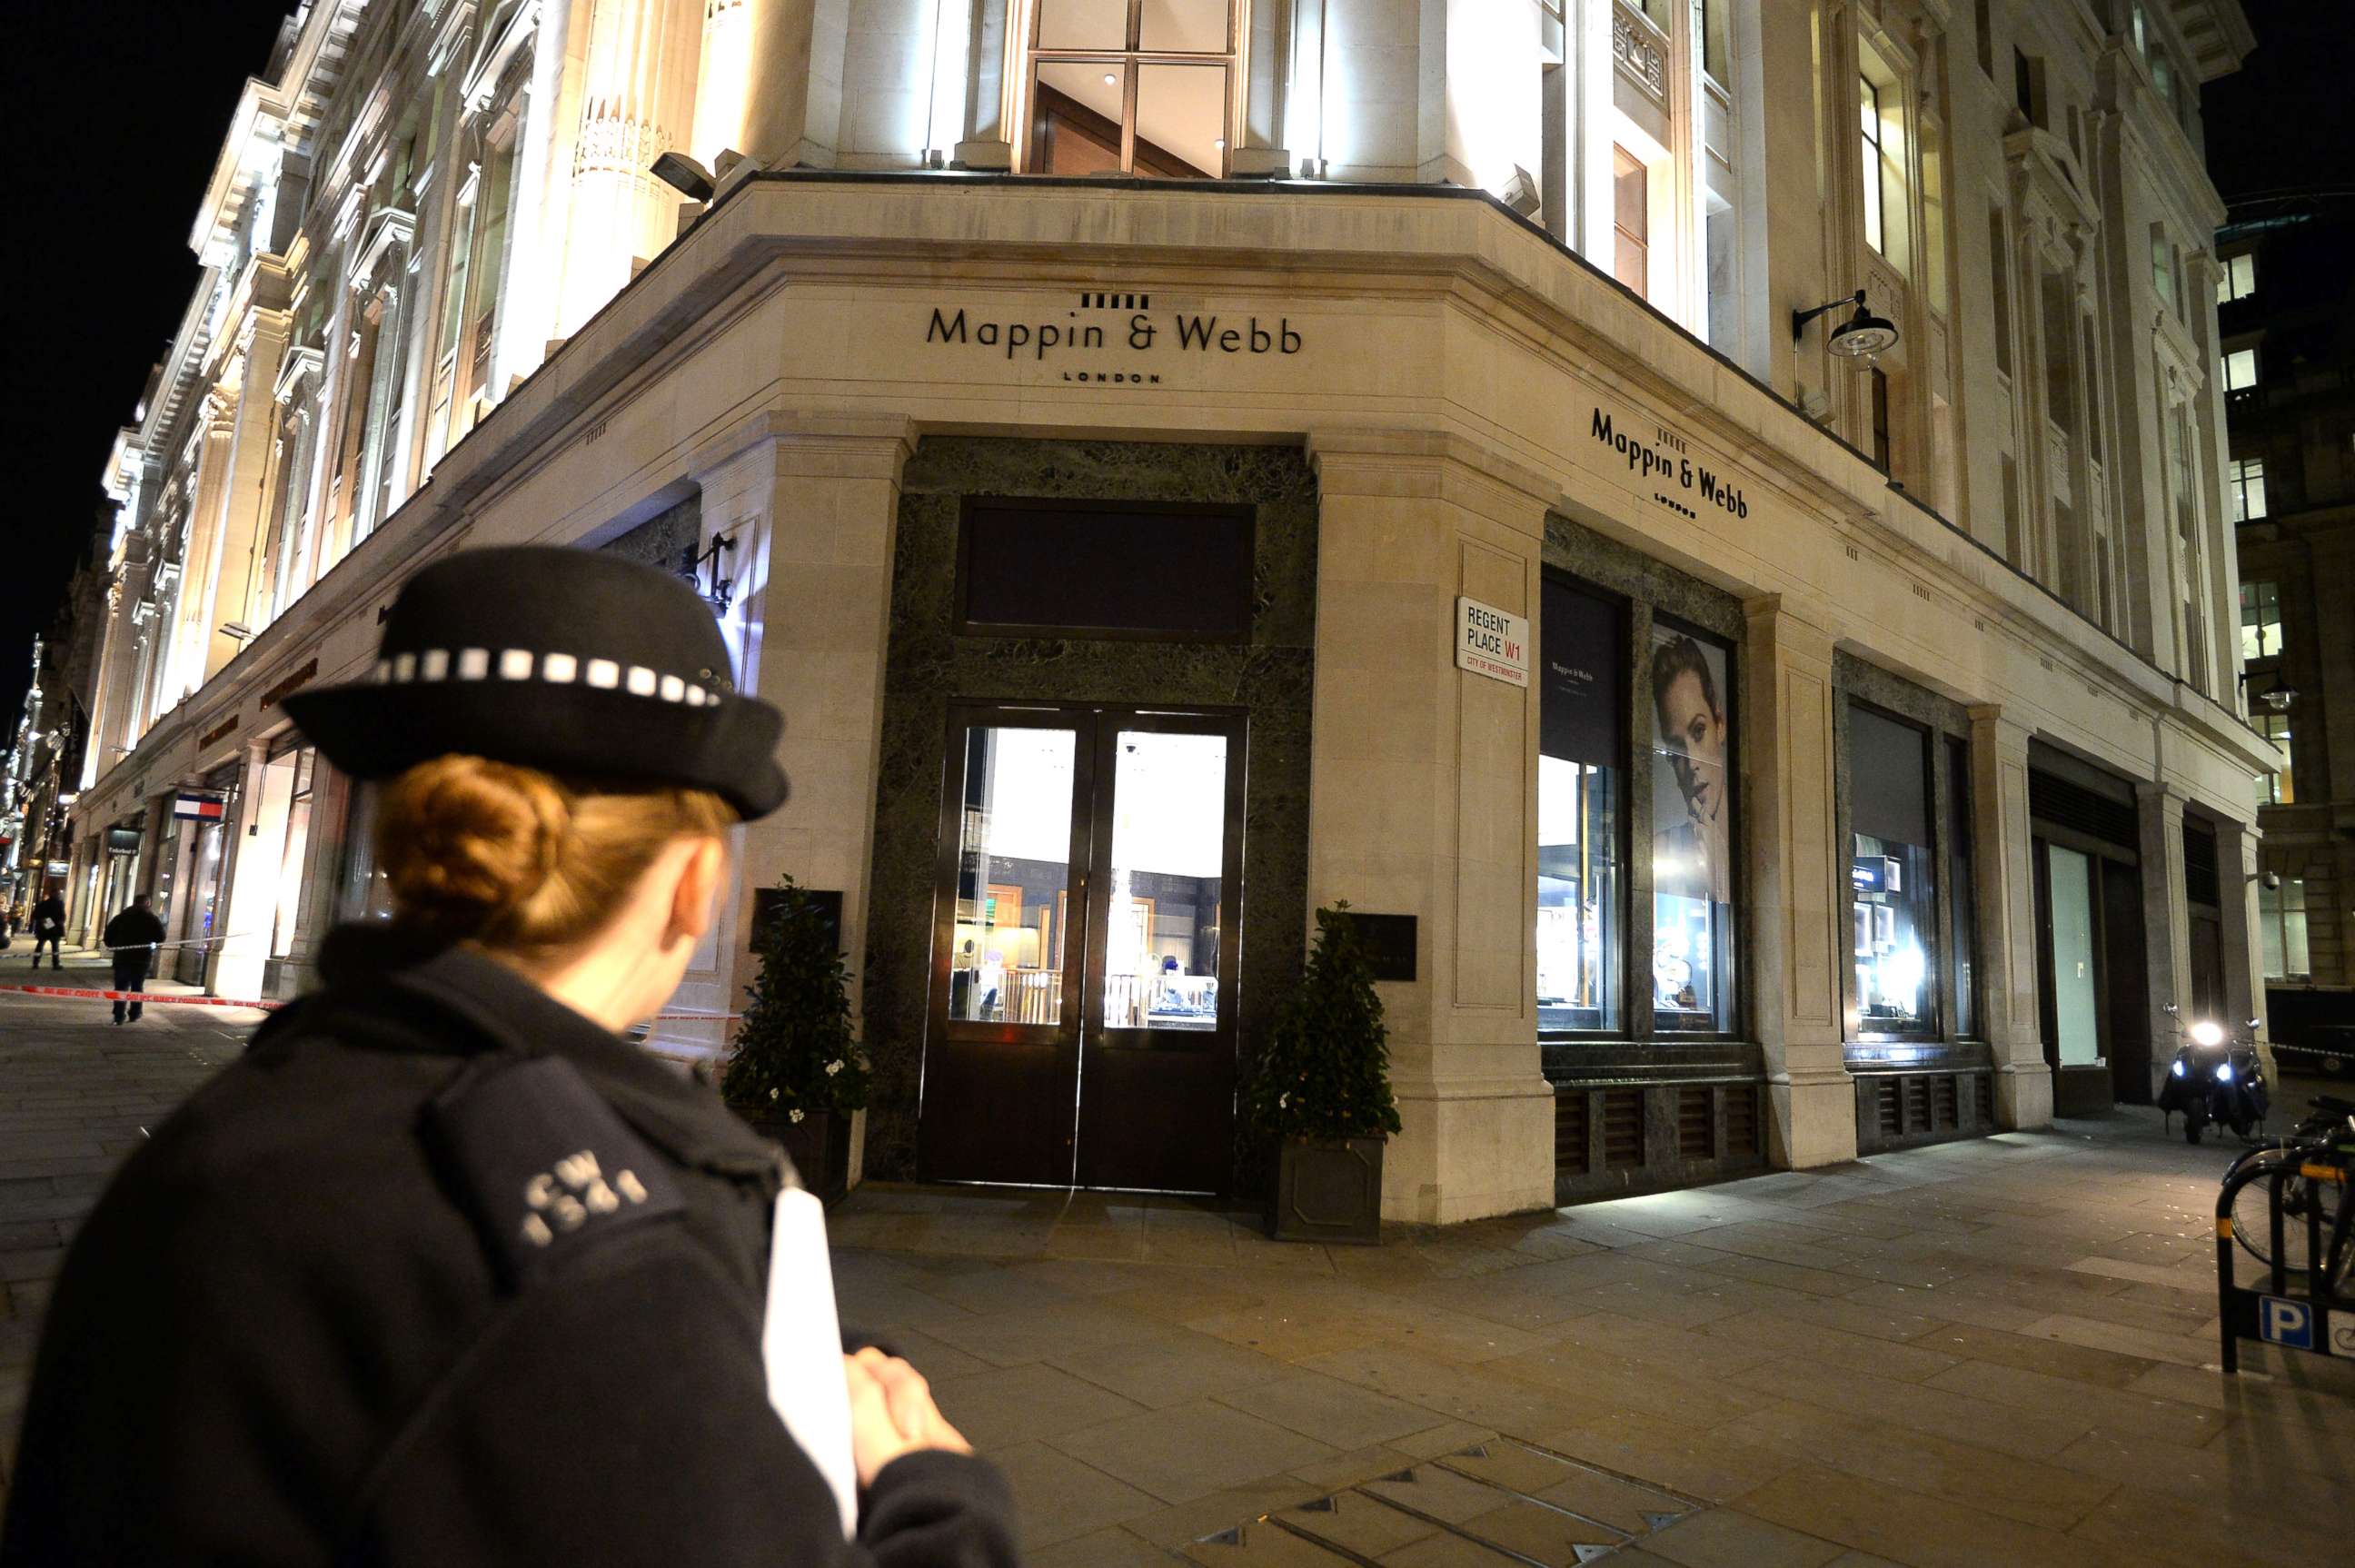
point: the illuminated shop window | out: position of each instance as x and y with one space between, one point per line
1581 742
1889 873
1138 87
1692 832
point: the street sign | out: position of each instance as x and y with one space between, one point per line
1492 643
2285 1322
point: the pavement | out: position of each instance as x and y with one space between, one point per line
1995 1351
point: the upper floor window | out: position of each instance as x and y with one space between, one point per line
2275 788
1869 102
2162 269
2236 277
2281 921
1137 86
2240 371
2245 487
2261 631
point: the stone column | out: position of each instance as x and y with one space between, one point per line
987 144
230 570
2237 862
719 81
185 671
1260 150
792 92
2004 863
1798 947
2166 916
1423 802
812 502
637 103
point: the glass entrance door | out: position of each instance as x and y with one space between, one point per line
1082 1026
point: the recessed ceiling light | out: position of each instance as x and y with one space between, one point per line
1220 143
1109 78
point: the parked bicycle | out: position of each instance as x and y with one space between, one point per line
2315 1167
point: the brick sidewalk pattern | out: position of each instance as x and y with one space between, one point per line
1995 1351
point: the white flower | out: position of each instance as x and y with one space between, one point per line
796 1116
1283 1102
832 1068
772 1094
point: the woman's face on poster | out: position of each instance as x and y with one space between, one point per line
1694 734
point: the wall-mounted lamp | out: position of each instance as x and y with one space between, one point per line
690 570
1863 335
2277 697
1520 193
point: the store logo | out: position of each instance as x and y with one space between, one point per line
1665 458
1145 330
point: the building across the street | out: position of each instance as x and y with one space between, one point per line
2286 305
1702 520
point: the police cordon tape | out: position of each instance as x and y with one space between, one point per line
156 999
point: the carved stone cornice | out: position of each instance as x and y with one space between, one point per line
388 228
299 365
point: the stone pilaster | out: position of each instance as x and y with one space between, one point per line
1423 802
2166 917
988 141
2005 865
1794 864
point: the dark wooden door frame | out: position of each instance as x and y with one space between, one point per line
989 1090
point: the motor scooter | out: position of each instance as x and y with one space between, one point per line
2215 1079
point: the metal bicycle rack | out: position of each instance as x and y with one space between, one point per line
2319 1320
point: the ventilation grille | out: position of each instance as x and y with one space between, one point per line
1569 1130
1694 1123
1742 1121
1987 1099
1945 1101
1884 1107
2058 801
1622 1129
1917 1101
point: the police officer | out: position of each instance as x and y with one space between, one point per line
48 928
442 1271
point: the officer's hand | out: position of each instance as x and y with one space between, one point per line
892 1412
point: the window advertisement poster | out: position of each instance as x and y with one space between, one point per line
1692 832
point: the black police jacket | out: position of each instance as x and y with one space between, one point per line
317 1319
133 928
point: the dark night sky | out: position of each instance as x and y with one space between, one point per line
117 108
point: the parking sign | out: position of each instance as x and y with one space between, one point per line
2281 1321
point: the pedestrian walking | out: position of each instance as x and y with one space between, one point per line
131 938
49 929
444 1271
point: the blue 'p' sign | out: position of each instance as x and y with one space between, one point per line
2281 1321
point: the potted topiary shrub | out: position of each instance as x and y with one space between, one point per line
1323 1088
797 1073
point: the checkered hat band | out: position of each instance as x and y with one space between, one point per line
437 665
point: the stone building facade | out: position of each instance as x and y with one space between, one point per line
1184 462
2285 304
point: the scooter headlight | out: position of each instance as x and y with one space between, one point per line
2179 1067
2206 1032
2223 1072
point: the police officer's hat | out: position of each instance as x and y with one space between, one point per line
571 661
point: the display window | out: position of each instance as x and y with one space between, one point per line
1581 741
1692 832
1960 879
1891 876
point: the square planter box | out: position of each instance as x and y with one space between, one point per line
1328 1190
820 1147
